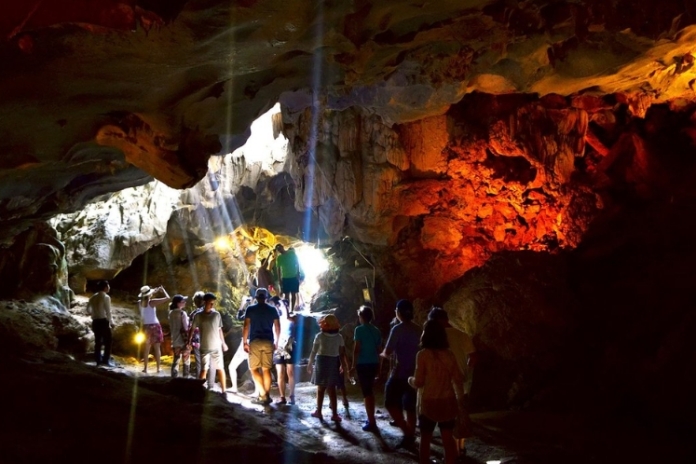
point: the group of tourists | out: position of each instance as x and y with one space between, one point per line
426 385
202 335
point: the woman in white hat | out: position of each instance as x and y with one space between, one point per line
151 325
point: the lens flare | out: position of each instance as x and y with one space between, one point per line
139 338
222 244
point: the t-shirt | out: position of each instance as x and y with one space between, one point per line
261 321
209 324
370 340
403 341
439 382
148 315
288 264
196 337
327 344
99 306
178 326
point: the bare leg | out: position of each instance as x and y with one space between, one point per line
258 381
345 397
320 397
238 358
266 387
461 445
411 422
158 355
290 369
281 379
333 403
222 379
424 449
146 357
370 409
449 444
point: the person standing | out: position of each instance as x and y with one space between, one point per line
327 374
194 334
99 307
151 325
399 397
288 271
368 343
264 277
213 343
287 355
240 354
461 345
178 327
440 391
260 337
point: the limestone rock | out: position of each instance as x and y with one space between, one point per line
106 236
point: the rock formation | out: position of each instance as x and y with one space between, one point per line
528 165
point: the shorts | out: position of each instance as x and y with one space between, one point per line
366 376
428 426
260 354
279 357
211 358
399 394
153 334
290 285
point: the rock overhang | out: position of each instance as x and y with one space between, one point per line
142 88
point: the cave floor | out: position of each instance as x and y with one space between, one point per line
63 410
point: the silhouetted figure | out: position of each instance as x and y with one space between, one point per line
179 328
99 307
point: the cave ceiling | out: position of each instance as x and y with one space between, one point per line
100 95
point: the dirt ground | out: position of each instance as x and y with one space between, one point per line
345 441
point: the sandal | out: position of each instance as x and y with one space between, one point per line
317 414
336 418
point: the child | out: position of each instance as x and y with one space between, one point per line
440 387
330 353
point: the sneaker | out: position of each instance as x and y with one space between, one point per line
259 400
268 400
282 400
369 427
292 400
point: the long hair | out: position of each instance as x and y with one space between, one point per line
434 336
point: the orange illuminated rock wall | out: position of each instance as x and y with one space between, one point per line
494 173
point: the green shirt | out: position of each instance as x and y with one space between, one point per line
288 264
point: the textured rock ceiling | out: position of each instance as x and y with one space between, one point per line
98 95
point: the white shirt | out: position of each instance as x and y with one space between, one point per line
99 306
148 315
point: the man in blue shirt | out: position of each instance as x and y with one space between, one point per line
403 343
260 338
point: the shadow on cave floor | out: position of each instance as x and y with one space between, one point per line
59 410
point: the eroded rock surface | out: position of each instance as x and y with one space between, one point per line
141 88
